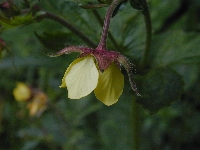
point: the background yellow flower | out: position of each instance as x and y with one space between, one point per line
22 92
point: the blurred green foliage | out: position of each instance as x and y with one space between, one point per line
166 117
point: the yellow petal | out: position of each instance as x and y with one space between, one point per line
81 78
110 85
63 85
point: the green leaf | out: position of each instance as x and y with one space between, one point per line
92 6
15 21
189 73
175 47
56 40
119 8
136 4
178 50
105 1
159 88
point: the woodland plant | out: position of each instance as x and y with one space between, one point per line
139 42
97 69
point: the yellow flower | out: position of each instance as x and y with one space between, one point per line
83 76
98 70
38 104
22 92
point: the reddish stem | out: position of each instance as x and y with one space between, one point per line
102 43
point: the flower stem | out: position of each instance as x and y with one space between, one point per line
68 25
113 5
147 19
100 20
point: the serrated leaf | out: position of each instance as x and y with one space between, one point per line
159 88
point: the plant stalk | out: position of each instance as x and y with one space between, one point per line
148 24
113 5
110 36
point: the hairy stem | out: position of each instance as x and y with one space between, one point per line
71 27
147 19
100 20
113 5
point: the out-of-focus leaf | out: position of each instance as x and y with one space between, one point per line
89 111
35 136
30 61
1 112
92 6
119 8
82 0
175 47
26 3
105 1
56 40
9 9
15 21
136 4
189 73
32 132
189 60
30 145
2 46
159 88
56 127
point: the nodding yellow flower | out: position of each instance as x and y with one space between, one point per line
22 92
97 69
83 76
